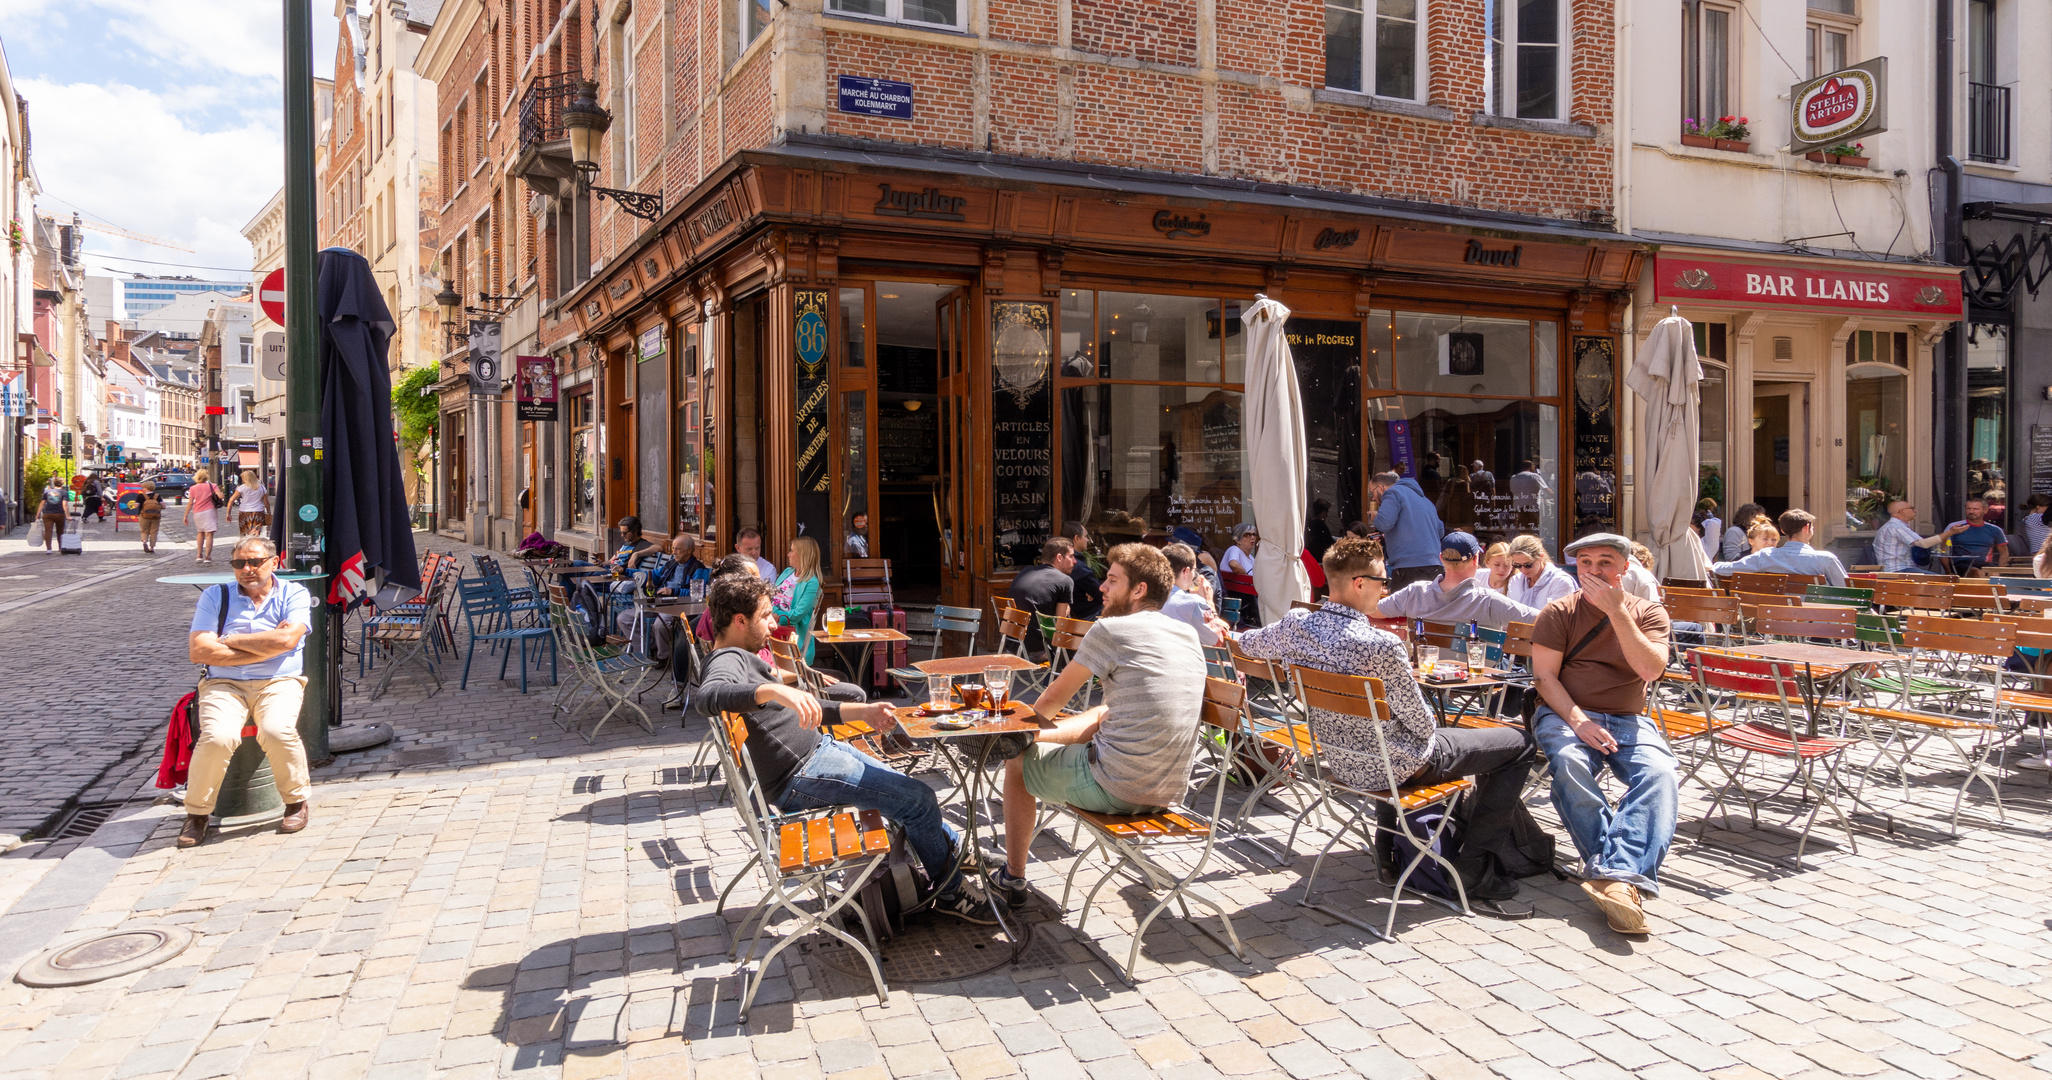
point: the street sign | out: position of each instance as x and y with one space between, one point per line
274 356
271 294
116 454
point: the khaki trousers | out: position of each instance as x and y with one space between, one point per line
223 707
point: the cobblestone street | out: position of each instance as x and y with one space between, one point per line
488 895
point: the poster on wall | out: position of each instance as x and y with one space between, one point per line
815 479
1022 431
485 375
1401 460
1595 459
534 387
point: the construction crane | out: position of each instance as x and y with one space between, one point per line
115 230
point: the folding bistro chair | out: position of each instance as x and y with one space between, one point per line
1858 599
1979 595
1913 594
1361 697
1768 703
529 607
1965 656
1280 748
1012 633
407 634
1138 840
489 618
1774 584
946 620
799 854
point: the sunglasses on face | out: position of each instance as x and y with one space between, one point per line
1371 577
247 564
1526 565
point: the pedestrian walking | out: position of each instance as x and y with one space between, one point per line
52 512
95 500
252 506
150 516
203 511
253 655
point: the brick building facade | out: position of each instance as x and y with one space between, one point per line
887 246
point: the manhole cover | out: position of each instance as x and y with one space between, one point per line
935 950
105 956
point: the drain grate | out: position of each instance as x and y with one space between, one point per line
84 819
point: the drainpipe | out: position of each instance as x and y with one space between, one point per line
1949 363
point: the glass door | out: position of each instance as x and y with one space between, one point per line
950 499
1781 425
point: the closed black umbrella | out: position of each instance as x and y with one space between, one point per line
370 526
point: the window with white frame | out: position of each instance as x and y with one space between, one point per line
248 354
755 18
942 13
623 67
1376 47
1827 40
1707 61
1527 62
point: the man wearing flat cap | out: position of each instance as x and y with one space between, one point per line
1593 654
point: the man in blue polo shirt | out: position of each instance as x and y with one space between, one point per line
1980 543
253 662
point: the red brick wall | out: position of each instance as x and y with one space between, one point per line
1032 21
1151 31
943 112
1138 118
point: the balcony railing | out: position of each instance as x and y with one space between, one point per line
1987 122
541 109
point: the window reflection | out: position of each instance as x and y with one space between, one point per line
1876 457
1140 460
1987 417
1438 440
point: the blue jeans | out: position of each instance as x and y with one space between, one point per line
840 775
1625 844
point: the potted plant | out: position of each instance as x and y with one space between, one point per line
1853 154
1733 133
1693 134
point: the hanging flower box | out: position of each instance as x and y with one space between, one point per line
1735 146
1703 141
1729 133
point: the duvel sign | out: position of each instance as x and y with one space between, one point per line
1839 107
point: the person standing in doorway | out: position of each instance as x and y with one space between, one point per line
203 512
857 545
252 506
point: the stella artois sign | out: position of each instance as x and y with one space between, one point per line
1839 107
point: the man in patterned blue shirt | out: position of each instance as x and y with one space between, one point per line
1338 637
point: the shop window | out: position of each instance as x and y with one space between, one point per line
1877 347
690 444
1876 443
1707 56
943 13
1437 440
1375 47
1150 338
584 461
1140 460
755 18
1526 64
1460 354
1713 399
1988 415
1828 37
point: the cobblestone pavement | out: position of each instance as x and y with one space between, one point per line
489 896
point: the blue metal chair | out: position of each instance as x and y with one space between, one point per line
530 608
946 620
489 617
1229 610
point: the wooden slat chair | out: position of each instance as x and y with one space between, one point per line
1978 595
1479 707
1229 610
1774 584
1751 603
2034 645
1807 622
2017 588
867 583
1303 605
407 635
999 604
1361 698
1401 627
1683 583
1770 723
1275 722
1137 842
1974 721
1720 616
1687 721
1012 629
946 620
1859 599
799 856
1913 594
1691 590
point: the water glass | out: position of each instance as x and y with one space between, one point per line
940 692
997 682
698 590
1428 658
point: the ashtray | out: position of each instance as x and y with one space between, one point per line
957 724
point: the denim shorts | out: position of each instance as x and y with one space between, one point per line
1062 774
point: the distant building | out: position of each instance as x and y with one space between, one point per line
136 295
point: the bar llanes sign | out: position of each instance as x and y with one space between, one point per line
1839 107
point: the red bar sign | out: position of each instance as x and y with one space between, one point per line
217 410
1836 286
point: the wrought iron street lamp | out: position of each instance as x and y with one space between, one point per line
583 122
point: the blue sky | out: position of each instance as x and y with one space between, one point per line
159 116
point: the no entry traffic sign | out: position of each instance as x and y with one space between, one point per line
271 294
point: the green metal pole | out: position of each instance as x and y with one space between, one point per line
305 503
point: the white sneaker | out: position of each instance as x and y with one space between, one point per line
2042 763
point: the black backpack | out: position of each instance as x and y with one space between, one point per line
53 503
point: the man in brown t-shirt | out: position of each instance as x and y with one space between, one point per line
1593 653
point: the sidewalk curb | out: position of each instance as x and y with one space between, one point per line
47 911
85 583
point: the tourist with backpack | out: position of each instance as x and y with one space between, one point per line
52 512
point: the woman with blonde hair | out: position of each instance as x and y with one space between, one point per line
203 512
252 505
1536 581
796 593
1762 536
1496 560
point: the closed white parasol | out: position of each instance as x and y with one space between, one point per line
1272 436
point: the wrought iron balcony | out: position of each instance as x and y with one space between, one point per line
541 109
1987 122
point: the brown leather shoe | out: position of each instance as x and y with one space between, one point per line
195 830
295 818
1619 901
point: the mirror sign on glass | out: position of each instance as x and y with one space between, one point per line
1595 465
1022 430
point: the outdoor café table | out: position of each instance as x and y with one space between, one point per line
1479 679
1820 664
974 665
1018 716
864 638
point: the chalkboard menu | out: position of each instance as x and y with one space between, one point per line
815 480
1595 460
2041 459
1022 431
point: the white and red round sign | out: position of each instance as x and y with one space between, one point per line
1835 106
271 295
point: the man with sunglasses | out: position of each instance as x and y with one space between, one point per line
251 658
1339 638
1458 595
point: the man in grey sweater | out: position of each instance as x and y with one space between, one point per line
1457 595
800 769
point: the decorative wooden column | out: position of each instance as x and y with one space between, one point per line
778 396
